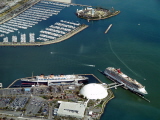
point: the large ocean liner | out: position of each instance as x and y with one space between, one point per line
129 83
45 80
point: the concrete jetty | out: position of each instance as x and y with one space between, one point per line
108 28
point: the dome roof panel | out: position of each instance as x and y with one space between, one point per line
94 91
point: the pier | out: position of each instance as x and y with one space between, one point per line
114 85
13 83
123 86
108 28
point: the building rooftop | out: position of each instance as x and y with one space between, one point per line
71 109
94 91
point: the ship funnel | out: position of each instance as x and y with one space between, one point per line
42 75
118 70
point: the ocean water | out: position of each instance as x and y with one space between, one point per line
131 44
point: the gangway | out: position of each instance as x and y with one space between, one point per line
113 85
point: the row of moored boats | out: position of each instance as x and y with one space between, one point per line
22 38
32 16
57 30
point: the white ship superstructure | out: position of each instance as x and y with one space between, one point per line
54 79
117 76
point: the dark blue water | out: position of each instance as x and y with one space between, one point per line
131 44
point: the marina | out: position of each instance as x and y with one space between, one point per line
48 39
57 30
41 11
32 16
14 38
23 38
31 37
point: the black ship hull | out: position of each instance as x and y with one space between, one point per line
46 83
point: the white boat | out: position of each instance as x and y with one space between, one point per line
56 79
129 83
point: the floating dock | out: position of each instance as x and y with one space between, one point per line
108 28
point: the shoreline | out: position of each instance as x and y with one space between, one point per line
114 14
104 100
19 12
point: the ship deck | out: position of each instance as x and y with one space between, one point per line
17 82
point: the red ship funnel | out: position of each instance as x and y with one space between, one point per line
118 70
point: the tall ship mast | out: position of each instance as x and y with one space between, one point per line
119 77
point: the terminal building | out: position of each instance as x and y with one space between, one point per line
71 109
92 91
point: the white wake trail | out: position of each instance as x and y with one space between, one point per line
122 60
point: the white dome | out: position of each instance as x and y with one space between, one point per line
94 91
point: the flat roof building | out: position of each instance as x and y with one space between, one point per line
71 109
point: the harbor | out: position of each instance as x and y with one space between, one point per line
134 49
27 102
32 16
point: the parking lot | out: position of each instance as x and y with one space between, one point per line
30 102
18 103
36 105
4 102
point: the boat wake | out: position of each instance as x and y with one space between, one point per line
89 65
122 61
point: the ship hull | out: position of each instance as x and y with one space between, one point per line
46 82
125 86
